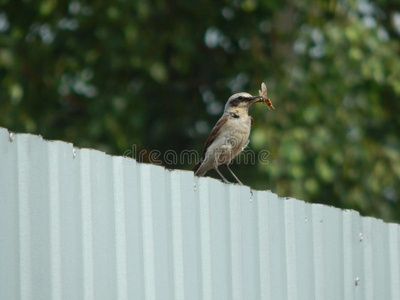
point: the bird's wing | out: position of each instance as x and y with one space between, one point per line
211 138
214 133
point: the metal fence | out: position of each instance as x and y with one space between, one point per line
80 224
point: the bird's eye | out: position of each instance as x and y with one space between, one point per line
240 97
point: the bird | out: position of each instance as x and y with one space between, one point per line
229 136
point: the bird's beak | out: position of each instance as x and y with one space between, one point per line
256 99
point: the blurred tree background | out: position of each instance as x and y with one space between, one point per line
110 74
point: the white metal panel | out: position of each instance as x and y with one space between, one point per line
394 258
177 235
134 231
277 247
250 255
121 269
70 220
80 224
187 236
9 221
264 253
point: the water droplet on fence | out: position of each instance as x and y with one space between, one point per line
73 153
251 196
11 137
194 187
357 281
361 237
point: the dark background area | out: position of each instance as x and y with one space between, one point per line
156 74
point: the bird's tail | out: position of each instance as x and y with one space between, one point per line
198 171
196 167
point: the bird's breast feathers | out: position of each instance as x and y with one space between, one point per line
229 135
233 136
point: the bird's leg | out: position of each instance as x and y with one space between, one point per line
233 174
220 174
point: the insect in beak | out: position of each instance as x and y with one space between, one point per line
268 103
264 98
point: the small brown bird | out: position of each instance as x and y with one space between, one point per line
229 136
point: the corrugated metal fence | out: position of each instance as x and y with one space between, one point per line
80 224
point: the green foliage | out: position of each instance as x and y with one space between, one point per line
111 74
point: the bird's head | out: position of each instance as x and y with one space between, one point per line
241 101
